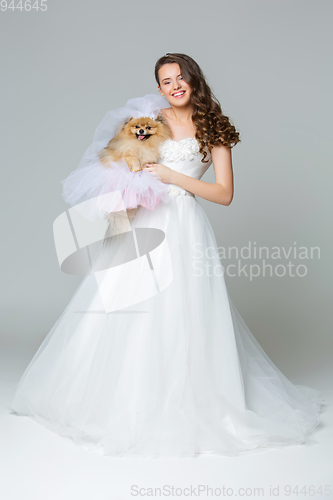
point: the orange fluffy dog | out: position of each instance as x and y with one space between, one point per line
137 143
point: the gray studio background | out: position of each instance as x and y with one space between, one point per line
268 64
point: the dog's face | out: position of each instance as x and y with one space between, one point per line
142 129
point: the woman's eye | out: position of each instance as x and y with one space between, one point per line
148 128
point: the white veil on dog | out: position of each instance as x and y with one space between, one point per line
92 179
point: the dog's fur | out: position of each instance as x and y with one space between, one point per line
135 148
137 143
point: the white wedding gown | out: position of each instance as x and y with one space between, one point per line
169 368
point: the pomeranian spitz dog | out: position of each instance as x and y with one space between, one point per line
137 143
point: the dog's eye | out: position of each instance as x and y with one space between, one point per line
148 128
137 126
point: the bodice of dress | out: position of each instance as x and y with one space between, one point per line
184 156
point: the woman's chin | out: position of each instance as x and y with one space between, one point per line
180 102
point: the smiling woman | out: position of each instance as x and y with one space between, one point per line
152 358
181 80
195 112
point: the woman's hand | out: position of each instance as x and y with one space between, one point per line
164 173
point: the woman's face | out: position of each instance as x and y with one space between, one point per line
172 85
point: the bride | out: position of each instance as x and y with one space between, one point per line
170 367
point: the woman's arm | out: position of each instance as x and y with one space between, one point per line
221 191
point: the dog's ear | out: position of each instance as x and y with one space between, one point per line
128 120
159 118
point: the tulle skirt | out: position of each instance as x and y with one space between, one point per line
151 358
95 189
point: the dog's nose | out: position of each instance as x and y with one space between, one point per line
141 131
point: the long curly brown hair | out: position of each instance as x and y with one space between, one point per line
213 127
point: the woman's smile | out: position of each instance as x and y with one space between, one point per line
178 94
